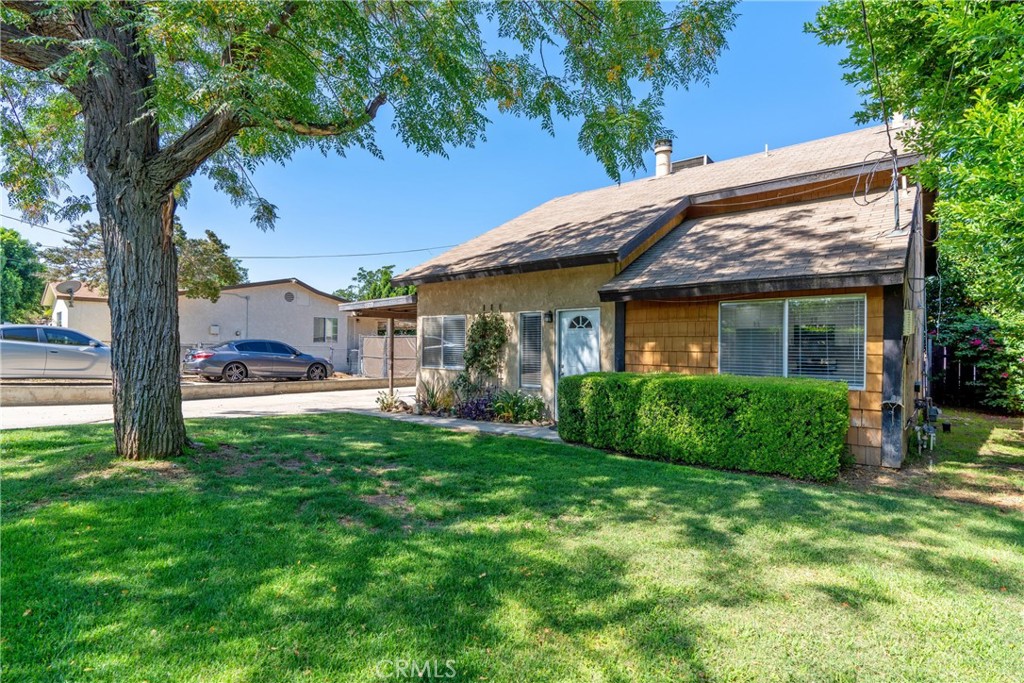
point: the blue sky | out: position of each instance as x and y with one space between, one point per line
775 85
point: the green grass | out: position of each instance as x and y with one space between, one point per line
315 547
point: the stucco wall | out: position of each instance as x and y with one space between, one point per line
682 336
270 317
91 318
551 290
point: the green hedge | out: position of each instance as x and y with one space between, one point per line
795 427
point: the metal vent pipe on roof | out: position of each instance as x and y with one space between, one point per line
662 157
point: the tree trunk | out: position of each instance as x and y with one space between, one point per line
136 217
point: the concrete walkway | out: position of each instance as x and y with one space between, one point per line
358 401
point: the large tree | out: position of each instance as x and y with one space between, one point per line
144 94
204 267
958 69
21 282
373 284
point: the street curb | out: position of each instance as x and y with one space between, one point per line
22 395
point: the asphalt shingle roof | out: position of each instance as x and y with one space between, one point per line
599 224
821 239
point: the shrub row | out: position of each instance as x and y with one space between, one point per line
795 427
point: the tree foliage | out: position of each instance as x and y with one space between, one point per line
204 267
21 282
958 69
242 83
373 284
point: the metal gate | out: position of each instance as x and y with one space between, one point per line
373 356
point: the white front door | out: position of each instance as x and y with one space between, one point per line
579 341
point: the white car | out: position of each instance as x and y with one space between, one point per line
41 351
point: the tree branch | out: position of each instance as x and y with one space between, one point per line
290 125
44 21
271 30
34 56
181 158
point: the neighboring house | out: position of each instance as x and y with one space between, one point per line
288 310
770 264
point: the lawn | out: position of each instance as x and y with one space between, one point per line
980 461
325 548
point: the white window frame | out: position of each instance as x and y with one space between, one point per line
785 334
540 315
423 329
327 339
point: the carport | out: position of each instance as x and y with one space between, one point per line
391 308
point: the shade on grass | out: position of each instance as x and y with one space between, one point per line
315 548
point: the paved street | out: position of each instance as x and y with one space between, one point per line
357 401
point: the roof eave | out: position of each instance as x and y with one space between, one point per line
511 269
755 286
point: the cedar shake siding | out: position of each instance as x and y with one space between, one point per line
682 336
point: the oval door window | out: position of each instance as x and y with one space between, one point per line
581 322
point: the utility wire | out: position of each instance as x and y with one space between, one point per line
303 256
373 253
36 225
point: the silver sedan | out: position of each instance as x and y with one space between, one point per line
238 360
43 351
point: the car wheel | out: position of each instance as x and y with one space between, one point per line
212 378
235 372
317 372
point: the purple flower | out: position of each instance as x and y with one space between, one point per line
1005 375
976 342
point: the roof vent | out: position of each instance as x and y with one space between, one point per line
289 297
662 157
702 160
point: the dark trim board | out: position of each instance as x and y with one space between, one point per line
767 286
620 336
892 376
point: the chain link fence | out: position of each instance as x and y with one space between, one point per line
373 356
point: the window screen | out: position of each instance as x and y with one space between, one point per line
325 330
751 338
529 349
826 339
454 327
444 341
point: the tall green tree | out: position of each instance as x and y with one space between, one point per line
373 284
21 281
144 94
958 69
204 267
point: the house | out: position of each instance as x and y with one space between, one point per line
288 310
799 261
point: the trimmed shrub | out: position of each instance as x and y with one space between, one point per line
795 427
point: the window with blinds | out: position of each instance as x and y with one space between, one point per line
826 339
751 338
444 342
821 337
529 350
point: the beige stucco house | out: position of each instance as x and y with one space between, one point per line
287 310
799 261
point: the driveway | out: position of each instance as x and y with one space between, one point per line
354 401
243 406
